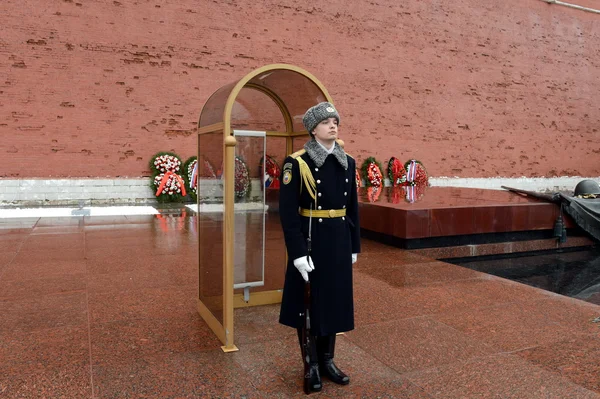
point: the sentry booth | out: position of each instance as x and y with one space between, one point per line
245 129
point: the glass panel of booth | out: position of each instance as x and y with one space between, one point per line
296 91
255 110
212 112
249 209
211 222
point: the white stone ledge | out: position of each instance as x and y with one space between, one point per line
9 183
138 191
524 183
75 191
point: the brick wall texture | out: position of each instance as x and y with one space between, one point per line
472 88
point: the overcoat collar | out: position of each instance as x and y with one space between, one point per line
318 154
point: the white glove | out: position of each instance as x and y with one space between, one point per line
304 266
354 258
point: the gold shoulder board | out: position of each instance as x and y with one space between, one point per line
298 153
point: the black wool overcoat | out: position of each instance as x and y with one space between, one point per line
334 240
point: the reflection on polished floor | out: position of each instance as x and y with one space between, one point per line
105 307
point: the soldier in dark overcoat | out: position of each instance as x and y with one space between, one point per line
319 180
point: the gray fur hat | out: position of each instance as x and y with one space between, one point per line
318 113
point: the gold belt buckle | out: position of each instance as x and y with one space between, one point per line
332 213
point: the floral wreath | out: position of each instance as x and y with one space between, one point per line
415 173
358 179
191 176
271 173
166 180
371 170
396 172
241 178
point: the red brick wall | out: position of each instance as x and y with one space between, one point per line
471 88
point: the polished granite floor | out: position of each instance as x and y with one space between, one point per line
105 307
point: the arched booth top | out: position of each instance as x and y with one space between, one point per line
291 90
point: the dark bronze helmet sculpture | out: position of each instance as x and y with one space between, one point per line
587 187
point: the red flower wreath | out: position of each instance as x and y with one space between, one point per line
166 180
396 172
358 180
241 178
372 172
272 172
416 173
192 175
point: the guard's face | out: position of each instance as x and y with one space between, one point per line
327 130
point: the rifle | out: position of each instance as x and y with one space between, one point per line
546 197
306 338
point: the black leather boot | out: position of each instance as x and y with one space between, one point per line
314 380
326 350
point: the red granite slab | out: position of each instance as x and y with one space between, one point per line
496 376
575 358
400 302
29 253
62 238
143 303
39 350
5 259
117 341
28 267
70 381
259 323
425 343
450 211
117 318
496 219
275 367
11 243
415 274
513 326
125 260
56 229
204 374
48 311
57 284
386 255
487 291
118 281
